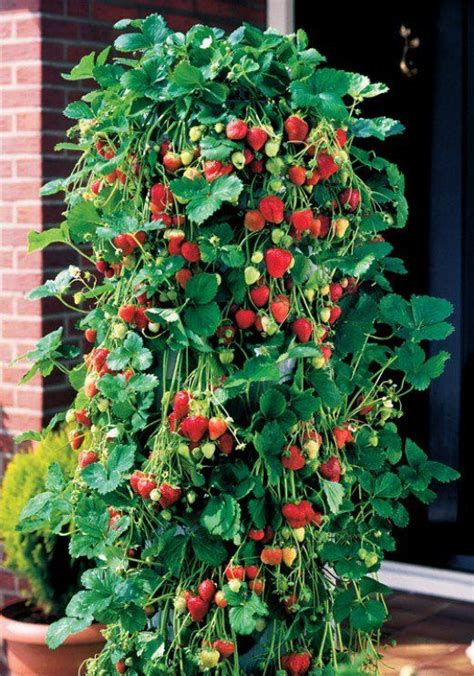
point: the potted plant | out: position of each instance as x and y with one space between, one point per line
42 560
244 469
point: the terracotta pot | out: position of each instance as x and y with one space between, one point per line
27 652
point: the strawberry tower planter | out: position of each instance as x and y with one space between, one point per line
243 469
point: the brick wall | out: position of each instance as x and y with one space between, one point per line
39 40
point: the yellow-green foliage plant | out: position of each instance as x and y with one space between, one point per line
41 556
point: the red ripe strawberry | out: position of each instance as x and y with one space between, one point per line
90 389
145 486
226 443
127 313
293 458
336 312
101 266
183 276
296 128
303 329
128 373
172 162
174 245
99 357
257 167
190 252
324 225
297 175
326 352
90 335
268 535
120 667
134 479
217 427
245 318
271 556
236 130
197 608
207 590
300 514
220 600
341 137
251 572
82 417
296 664
290 603
302 220
256 535
161 196
194 427
350 198
96 187
181 403
342 435
169 495
254 221
87 458
336 291
280 308
331 470
260 295
125 243
224 648
226 333
272 209
213 169
234 572
248 156
314 178
140 320
326 166
278 262
75 439
257 586
256 138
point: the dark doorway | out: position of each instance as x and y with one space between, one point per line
432 94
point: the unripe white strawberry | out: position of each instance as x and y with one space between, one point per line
235 585
299 534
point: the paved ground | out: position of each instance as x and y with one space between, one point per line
431 633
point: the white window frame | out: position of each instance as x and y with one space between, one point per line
281 15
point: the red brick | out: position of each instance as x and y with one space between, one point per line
29 213
28 28
54 28
6 74
6 29
32 399
30 145
30 121
78 9
20 98
31 74
6 213
6 169
6 123
31 168
19 282
31 5
20 421
27 261
102 11
8 396
19 51
21 190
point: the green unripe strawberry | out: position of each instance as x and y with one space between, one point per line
226 356
208 449
219 127
275 184
362 554
166 514
272 148
260 624
325 314
373 440
155 495
197 453
269 325
195 134
299 534
119 331
183 451
285 533
309 294
277 235
129 262
103 405
286 242
371 559
71 416
235 585
154 327
191 497
257 257
238 159
251 275
275 166
78 298
187 156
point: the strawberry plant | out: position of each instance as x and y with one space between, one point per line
248 356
